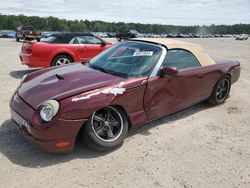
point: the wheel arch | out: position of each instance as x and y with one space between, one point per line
225 74
119 107
125 113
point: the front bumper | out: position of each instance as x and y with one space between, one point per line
48 145
57 137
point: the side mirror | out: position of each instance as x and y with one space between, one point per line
171 71
103 44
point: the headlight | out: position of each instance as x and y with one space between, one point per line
49 109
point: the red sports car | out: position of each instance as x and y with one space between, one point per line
131 83
62 48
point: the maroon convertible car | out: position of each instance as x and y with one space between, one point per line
131 83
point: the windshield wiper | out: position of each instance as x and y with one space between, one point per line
108 71
119 74
99 68
103 70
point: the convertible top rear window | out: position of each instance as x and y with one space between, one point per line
49 39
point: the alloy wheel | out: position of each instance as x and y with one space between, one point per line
222 90
107 124
62 61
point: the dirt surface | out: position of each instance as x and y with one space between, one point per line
201 146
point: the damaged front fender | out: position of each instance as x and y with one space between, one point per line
83 105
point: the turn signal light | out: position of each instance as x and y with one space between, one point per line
62 144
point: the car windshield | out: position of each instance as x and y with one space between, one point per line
28 28
134 31
130 59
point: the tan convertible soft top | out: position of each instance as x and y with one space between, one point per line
195 49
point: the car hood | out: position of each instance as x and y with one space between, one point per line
62 82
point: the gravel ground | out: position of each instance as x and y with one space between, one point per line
201 146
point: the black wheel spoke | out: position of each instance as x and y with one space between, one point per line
110 133
99 119
114 123
224 89
108 114
218 93
111 118
220 96
99 130
222 84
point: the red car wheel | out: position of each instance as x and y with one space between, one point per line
61 60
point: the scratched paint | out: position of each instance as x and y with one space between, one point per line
113 90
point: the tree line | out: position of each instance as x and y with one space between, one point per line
11 22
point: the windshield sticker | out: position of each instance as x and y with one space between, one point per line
143 53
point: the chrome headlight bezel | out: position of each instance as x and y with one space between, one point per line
48 110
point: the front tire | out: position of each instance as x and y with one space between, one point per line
106 129
61 60
221 91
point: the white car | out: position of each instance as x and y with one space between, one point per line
241 37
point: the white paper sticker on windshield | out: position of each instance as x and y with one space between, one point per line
143 53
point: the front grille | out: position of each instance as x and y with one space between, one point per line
19 120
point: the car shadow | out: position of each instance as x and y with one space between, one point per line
21 73
19 151
144 129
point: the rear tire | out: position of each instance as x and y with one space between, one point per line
38 40
17 39
220 91
61 60
119 39
106 129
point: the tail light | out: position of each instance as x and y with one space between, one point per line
27 48
38 33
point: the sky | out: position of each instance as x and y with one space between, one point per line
173 12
